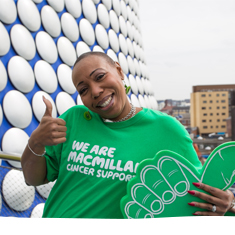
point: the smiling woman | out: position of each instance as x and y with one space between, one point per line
99 81
92 151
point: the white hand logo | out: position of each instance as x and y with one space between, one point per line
161 184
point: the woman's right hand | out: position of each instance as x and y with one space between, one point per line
50 131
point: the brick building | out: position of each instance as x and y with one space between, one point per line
210 107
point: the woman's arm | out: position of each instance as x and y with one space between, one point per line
34 167
219 200
51 131
232 207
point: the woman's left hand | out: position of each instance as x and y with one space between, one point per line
217 202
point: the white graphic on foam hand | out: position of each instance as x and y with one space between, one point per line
155 200
227 181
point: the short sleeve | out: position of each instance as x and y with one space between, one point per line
52 162
191 155
180 136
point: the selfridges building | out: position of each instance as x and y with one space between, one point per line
39 43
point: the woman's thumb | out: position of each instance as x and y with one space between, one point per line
48 111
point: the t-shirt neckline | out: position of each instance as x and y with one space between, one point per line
129 122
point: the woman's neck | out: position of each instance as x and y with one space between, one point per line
133 111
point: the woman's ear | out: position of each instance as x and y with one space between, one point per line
119 69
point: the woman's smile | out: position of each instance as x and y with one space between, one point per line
100 84
106 102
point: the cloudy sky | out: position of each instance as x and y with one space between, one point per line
187 43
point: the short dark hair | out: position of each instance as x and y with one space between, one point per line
95 53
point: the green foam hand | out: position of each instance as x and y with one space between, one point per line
160 187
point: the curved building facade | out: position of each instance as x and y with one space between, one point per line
39 43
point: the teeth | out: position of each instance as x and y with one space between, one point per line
106 102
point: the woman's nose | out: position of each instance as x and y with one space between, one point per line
96 91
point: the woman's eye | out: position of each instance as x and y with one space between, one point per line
82 91
100 76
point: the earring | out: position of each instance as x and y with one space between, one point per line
127 88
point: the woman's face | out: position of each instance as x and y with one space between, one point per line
100 87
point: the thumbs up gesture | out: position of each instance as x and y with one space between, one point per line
51 131
48 111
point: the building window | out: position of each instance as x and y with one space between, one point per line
217 114
204 114
224 107
223 114
209 107
210 95
217 107
203 95
217 94
218 120
203 107
210 120
223 94
223 126
217 126
204 101
211 114
203 120
223 101
204 127
211 101
217 101
211 126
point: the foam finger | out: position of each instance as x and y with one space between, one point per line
222 156
174 175
135 211
147 199
154 180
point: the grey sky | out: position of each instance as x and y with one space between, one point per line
186 43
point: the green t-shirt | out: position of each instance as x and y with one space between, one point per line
97 160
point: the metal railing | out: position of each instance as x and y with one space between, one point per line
11 157
16 198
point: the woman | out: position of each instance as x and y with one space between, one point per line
93 151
